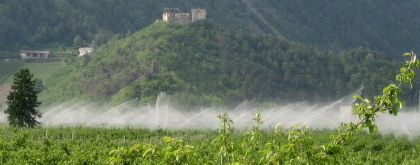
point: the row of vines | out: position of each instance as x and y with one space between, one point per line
7 69
41 70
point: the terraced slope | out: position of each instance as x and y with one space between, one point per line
8 68
41 70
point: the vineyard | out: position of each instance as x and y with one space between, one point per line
7 69
41 70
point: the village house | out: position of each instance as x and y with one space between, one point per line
85 51
31 54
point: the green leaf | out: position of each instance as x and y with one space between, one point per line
146 152
407 54
395 108
372 128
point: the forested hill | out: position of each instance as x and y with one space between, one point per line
388 26
204 64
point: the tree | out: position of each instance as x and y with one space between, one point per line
77 42
23 101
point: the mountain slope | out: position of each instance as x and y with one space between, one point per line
388 26
384 25
203 64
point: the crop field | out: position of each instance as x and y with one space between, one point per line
41 70
8 68
89 145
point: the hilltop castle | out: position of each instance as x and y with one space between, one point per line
176 15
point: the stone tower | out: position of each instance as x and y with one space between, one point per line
198 14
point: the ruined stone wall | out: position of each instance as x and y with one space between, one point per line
182 18
176 15
198 14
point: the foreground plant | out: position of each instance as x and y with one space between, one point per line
226 146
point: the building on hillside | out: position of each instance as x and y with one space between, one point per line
85 51
198 14
31 54
176 15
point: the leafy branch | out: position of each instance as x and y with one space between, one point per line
367 111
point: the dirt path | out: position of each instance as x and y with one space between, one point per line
268 24
4 91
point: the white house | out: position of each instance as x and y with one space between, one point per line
31 54
85 51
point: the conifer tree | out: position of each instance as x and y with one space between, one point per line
23 101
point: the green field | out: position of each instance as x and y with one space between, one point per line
41 70
81 145
7 69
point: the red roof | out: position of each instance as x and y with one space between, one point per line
32 51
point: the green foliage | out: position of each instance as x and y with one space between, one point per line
77 42
84 145
174 151
367 111
23 101
227 152
66 145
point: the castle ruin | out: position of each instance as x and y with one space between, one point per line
176 15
